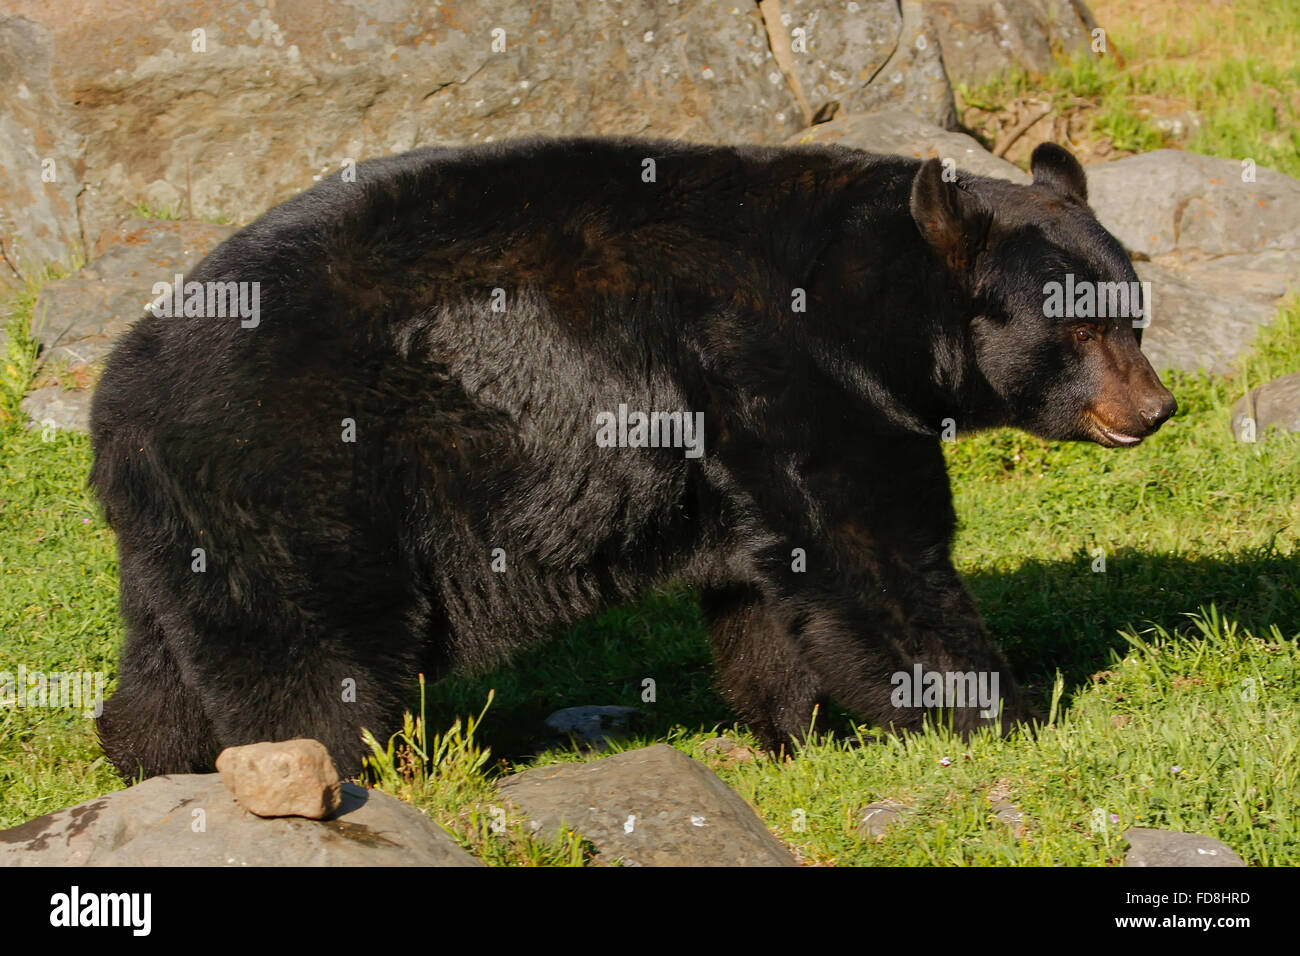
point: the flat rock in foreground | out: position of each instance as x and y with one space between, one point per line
1170 848
193 820
649 807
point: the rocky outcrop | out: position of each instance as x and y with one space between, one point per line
215 109
267 98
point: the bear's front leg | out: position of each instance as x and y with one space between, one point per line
761 671
895 645
855 598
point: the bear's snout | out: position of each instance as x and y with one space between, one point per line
1150 404
1125 419
1132 404
1158 410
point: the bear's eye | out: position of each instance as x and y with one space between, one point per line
1083 335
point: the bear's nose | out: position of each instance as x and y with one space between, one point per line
1157 413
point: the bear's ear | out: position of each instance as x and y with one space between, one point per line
953 221
1060 172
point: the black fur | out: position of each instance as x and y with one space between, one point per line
475 430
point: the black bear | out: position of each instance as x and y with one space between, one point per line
422 416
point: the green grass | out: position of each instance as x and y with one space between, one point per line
58 593
1168 736
144 210
1235 66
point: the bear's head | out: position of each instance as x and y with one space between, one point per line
1053 306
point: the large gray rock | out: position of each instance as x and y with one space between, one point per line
1208 310
1193 328
1165 200
1169 848
982 39
649 807
38 153
157 108
1263 277
902 134
1273 404
336 79
193 820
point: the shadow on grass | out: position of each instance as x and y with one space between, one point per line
1048 615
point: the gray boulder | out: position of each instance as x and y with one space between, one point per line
1169 848
193 820
1171 200
649 807
1191 327
1273 404
58 408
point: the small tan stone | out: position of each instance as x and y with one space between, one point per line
290 778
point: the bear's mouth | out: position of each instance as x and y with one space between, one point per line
1109 437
